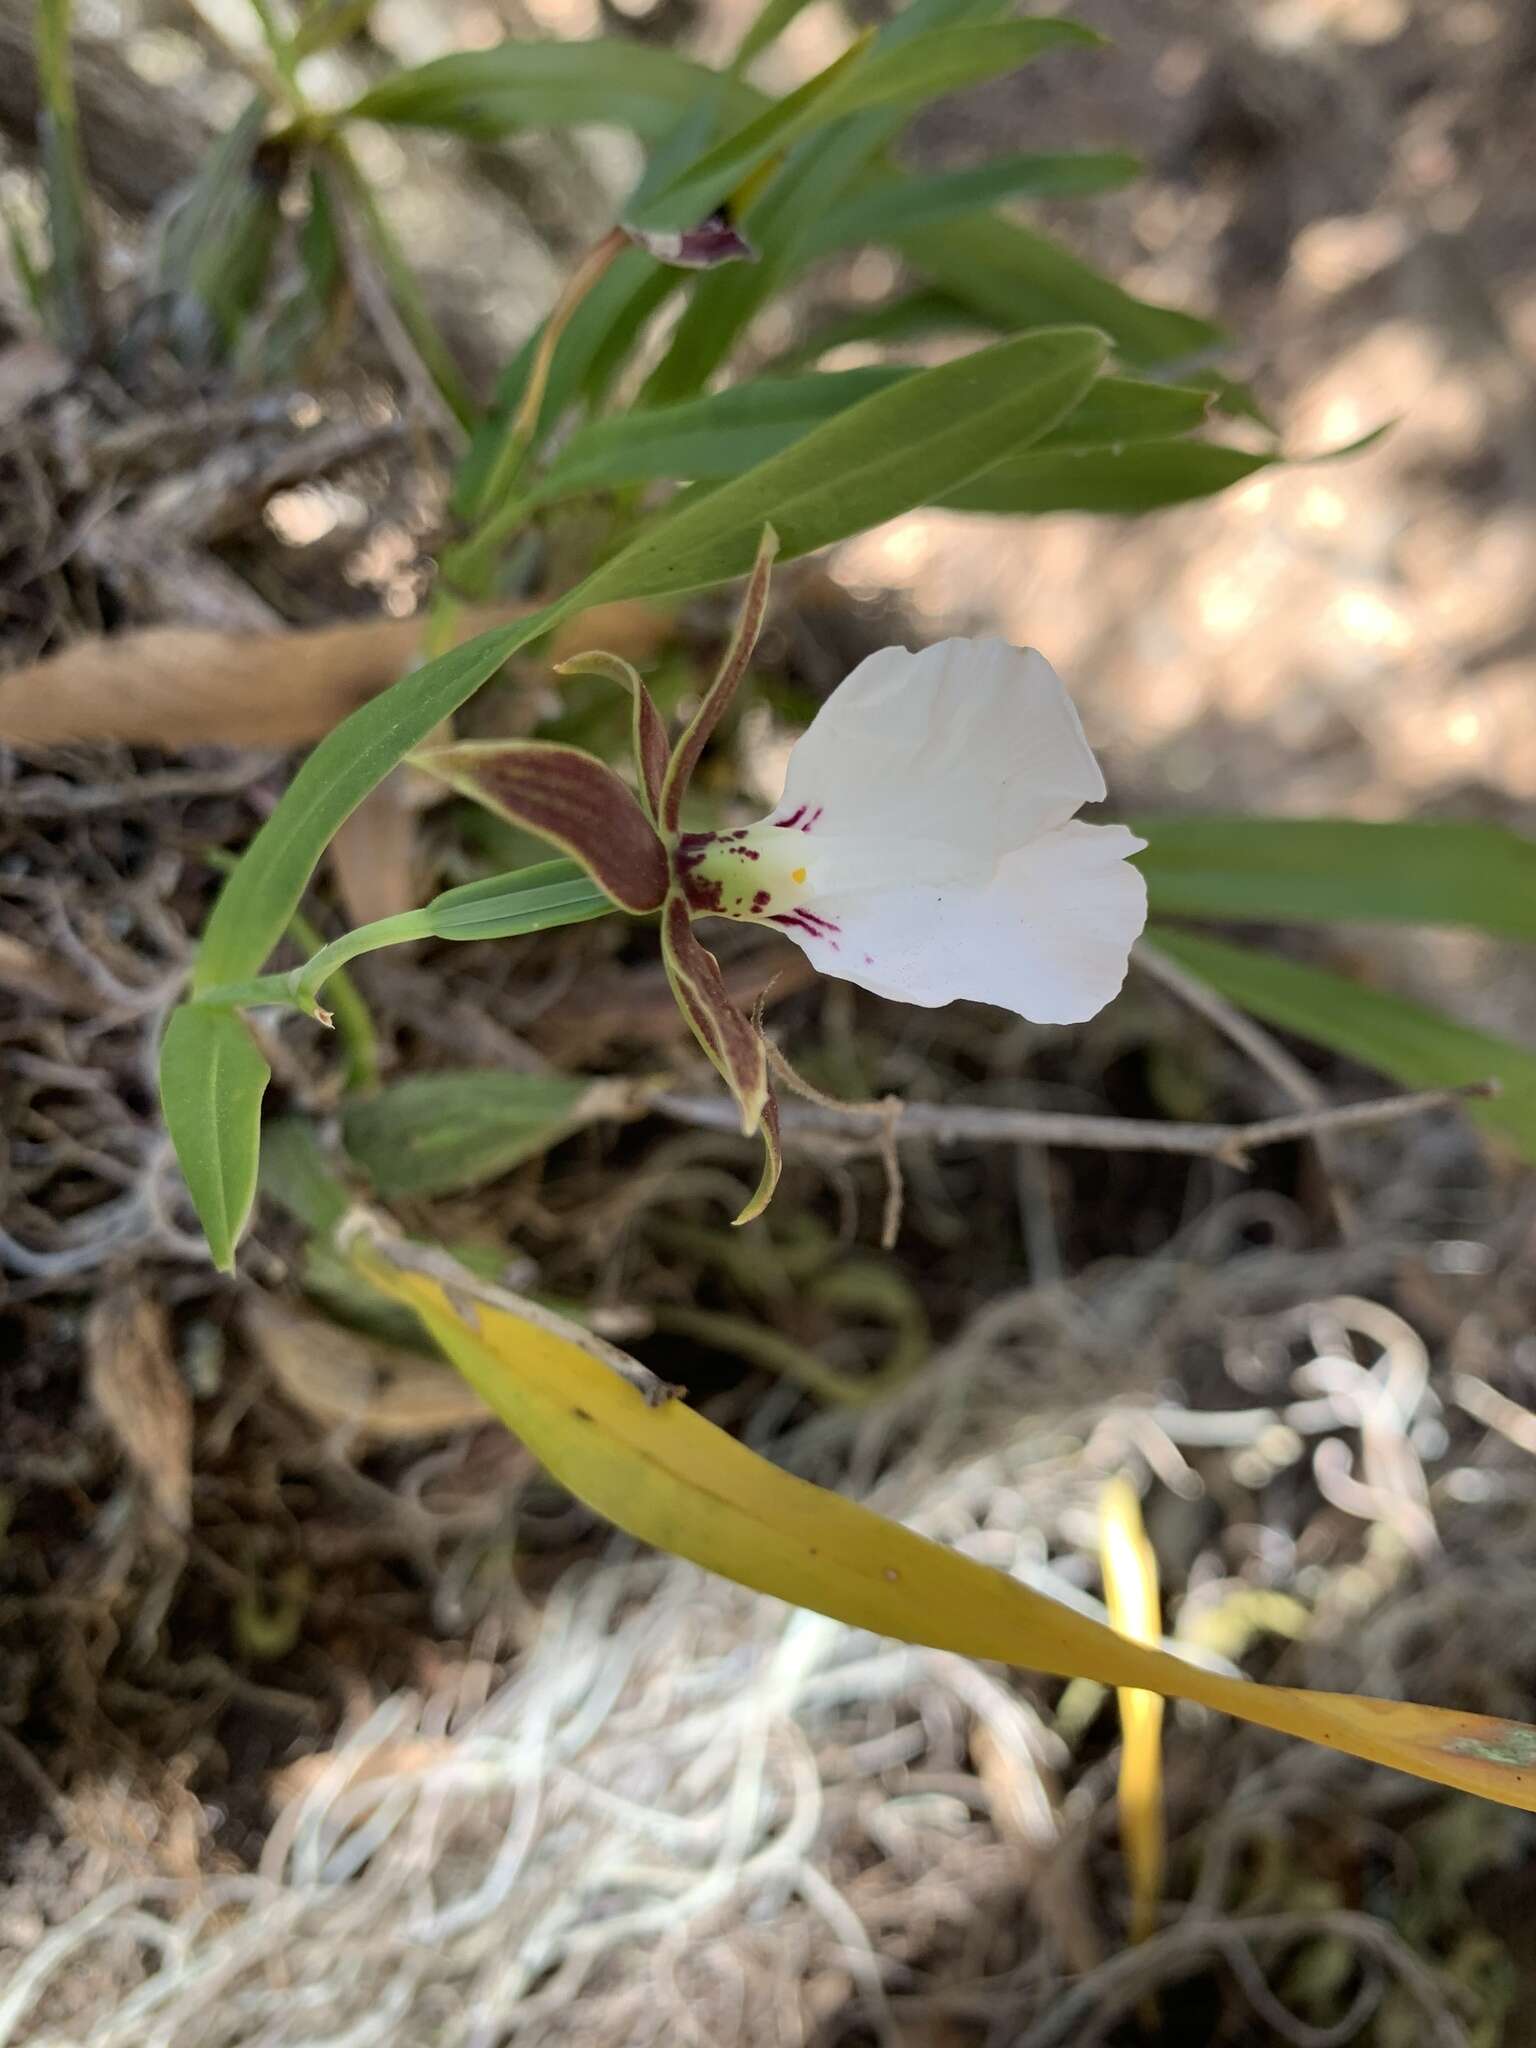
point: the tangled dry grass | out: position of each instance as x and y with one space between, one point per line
654 1808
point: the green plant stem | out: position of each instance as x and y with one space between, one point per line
399 930
350 1015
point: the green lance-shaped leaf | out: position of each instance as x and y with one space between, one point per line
212 1079
438 1134
216 247
608 82
709 439
898 448
895 205
73 292
570 798
1021 278
1124 480
262 894
1325 870
518 904
1414 1045
860 81
816 173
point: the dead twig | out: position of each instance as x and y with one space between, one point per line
982 1124
1266 1052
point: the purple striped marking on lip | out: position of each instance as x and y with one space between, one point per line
800 819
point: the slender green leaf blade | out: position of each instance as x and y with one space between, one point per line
911 316
707 439
1416 1046
516 904
607 82
898 204
437 1134
264 891
1126 480
898 448
765 28
713 437
1023 279
1326 870
212 1079
908 75
74 287
816 173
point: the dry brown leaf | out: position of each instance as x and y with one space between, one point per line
32 973
133 1381
173 686
343 1379
375 857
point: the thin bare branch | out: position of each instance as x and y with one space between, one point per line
865 1130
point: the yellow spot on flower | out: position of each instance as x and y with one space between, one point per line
797 875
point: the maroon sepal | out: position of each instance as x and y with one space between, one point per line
569 797
648 735
734 1044
685 755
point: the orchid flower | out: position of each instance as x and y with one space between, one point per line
926 845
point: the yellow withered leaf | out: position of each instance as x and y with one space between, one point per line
1131 1595
664 1474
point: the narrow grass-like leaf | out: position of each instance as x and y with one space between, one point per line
898 448
674 1480
437 1134
1416 1046
815 175
1327 870
607 82
212 1079
908 75
765 28
409 301
264 891
911 316
1023 279
718 436
73 291
517 904
609 321
217 246
897 205
1124 480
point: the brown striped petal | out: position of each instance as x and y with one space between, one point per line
685 756
648 736
733 1042
570 798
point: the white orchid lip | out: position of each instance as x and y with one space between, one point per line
926 846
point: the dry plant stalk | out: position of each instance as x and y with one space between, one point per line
133 1381
346 1381
173 686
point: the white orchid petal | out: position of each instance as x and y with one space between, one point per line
970 742
1048 935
